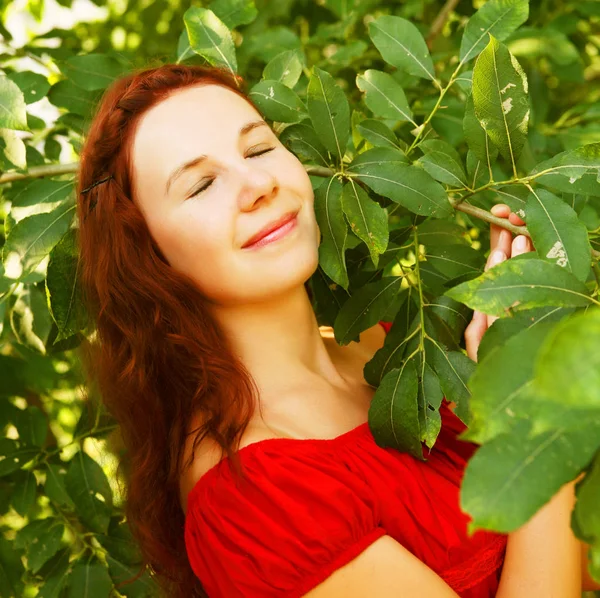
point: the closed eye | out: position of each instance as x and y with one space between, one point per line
211 181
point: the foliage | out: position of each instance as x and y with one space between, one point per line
412 120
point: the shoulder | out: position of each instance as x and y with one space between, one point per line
208 452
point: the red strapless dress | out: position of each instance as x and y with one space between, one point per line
308 507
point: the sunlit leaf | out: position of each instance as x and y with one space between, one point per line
402 45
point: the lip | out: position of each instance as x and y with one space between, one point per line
271 227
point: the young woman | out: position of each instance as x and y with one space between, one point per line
207 342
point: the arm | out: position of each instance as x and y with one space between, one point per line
543 557
387 570
553 513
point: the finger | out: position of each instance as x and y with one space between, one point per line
474 333
501 211
491 320
521 244
495 258
505 239
515 219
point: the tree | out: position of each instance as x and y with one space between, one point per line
412 120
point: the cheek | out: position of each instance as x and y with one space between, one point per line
191 241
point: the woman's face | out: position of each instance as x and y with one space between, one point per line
201 215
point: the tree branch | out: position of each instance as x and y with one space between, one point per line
39 171
440 21
58 169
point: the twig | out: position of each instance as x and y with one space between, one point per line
486 216
440 21
39 171
58 169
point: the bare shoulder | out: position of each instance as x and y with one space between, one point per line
208 452
206 456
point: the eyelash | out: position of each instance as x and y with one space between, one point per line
209 183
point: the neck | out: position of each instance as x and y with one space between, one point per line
279 341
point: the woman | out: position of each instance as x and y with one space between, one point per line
179 177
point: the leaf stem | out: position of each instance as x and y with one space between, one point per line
443 92
420 290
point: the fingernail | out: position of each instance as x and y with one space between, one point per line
521 243
497 256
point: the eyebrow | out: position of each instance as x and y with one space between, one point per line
199 159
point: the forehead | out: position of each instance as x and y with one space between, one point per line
189 122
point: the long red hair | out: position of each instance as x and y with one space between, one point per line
157 356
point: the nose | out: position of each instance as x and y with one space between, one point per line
257 184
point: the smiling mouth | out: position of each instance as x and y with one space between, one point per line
281 231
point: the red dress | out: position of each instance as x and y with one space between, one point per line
308 507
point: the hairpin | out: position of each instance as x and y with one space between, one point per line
110 176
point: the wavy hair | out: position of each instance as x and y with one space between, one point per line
154 352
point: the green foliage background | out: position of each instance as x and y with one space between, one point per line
413 118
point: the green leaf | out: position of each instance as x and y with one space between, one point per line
89 581
92 71
586 514
402 45
11 570
41 540
234 13
558 234
505 328
13 455
477 139
62 287
32 239
33 85
13 114
515 197
409 186
391 355
32 425
394 411
303 141
500 99
55 488
365 308
384 95
285 68
510 478
568 367
498 383
120 573
41 191
330 219
277 102
378 134
515 285
454 370
84 479
120 543
574 171
377 156
367 219
442 162
452 260
430 399
210 38
496 17
55 573
536 42
441 232
24 493
65 94
329 112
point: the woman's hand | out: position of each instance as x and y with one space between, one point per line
502 247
